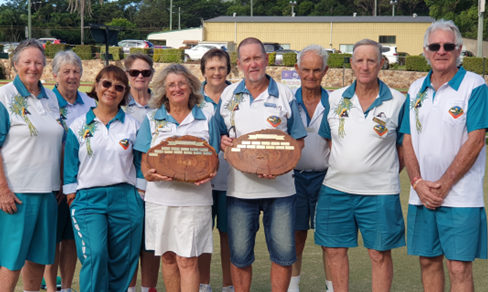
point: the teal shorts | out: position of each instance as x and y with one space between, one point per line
458 233
29 234
219 210
339 216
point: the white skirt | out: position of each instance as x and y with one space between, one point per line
186 231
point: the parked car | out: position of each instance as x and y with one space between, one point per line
279 55
128 44
162 47
44 41
9 47
197 52
465 53
402 57
390 52
272 47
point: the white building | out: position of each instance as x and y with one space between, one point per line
179 38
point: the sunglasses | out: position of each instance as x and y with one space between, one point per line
108 84
135 73
447 47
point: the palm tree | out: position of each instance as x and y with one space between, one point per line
81 5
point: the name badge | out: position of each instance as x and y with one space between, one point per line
379 121
269 104
165 129
309 129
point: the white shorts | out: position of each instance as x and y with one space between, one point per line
186 231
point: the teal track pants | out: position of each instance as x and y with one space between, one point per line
107 223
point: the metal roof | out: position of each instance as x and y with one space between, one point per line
319 19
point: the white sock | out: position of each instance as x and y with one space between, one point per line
66 290
131 289
145 289
328 286
294 282
32 291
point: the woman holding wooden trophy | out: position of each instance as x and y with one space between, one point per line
180 143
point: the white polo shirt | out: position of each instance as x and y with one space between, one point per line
439 123
98 155
31 136
364 157
158 126
238 114
136 110
315 155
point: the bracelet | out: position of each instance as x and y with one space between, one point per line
416 182
415 179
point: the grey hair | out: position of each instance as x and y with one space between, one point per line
446 25
66 58
159 97
318 50
368 42
25 44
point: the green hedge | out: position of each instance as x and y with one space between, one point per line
289 59
272 59
416 63
52 49
474 64
168 55
85 52
233 58
117 53
2 76
146 51
337 60
1 48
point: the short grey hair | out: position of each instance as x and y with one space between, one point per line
25 44
368 42
446 25
66 58
318 50
159 97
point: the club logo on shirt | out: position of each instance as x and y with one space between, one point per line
416 104
274 121
342 110
456 112
158 125
124 143
232 107
380 130
19 107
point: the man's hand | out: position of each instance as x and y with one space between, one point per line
443 190
267 176
152 175
206 180
225 141
426 190
8 200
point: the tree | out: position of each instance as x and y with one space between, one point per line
82 6
130 29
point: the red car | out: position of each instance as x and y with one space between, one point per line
43 41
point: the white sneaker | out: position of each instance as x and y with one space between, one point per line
205 288
228 289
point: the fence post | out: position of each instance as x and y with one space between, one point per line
484 59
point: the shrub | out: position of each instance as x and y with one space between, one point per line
169 55
117 53
474 64
337 60
272 59
85 52
146 51
52 49
233 58
289 59
2 76
1 48
416 63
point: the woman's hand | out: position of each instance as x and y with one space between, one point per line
206 180
225 141
70 198
152 175
8 200
267 176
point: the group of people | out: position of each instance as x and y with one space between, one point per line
86 170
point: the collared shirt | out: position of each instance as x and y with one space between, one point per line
219 182
238 114
98 155
158 126
364 157
439 123
315 155
136 110
30 138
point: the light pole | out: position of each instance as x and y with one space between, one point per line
179 18
393 3
29 21
171 15
251 8
293 4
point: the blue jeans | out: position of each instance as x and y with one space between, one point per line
279 229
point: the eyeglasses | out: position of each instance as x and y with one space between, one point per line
180 84
447 47
108 84
213 69
135 73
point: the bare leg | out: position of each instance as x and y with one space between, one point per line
225 259
149 269
339 268
300 239
204 261
241 277
382 270
8 279
51 272
67 262
171 274
432 273
32 276
280 277
133 282
190 277
461 274
328 276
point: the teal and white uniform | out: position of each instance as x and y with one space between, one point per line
69 112
107 212
30 139
439 123
136 110
362 187
310 170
